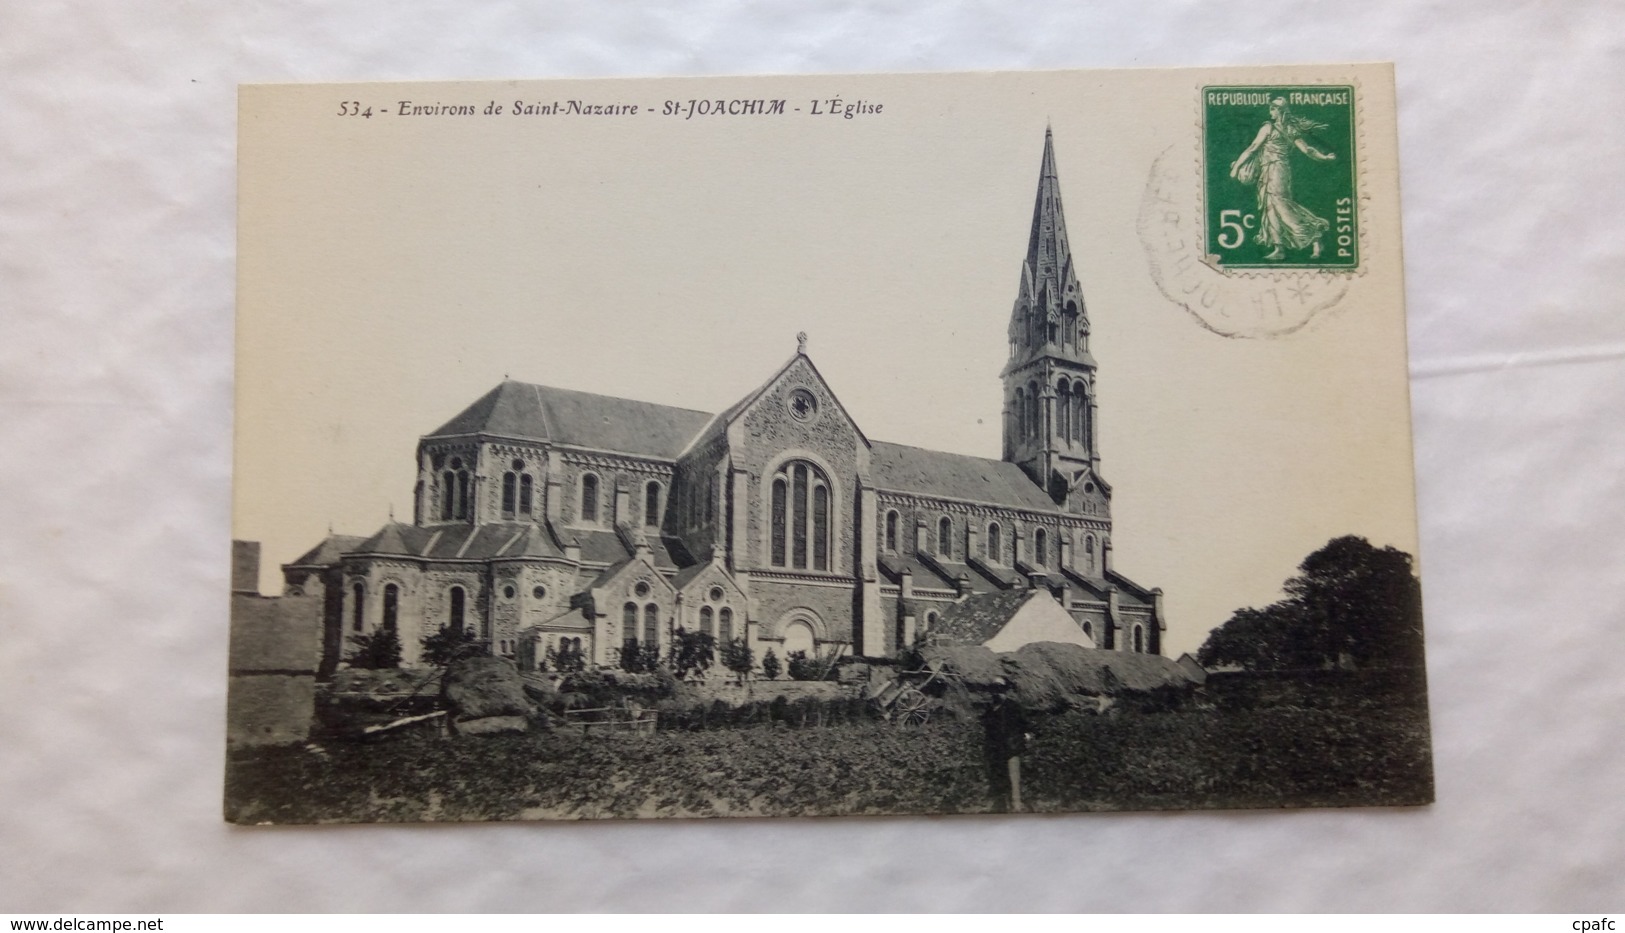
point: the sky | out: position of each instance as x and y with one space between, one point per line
393 268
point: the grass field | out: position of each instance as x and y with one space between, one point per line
1283 756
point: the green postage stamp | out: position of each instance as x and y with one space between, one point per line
1278 177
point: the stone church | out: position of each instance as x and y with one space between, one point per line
550 518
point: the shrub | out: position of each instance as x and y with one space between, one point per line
770 665
376 650
449 645
737 657
692 653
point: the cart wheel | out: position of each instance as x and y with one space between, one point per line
910 708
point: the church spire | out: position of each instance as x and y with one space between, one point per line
1049 314
1049 380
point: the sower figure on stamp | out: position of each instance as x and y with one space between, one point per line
1004 742
1283 223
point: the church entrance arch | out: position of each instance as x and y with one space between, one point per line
798 636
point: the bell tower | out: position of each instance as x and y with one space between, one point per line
1049 383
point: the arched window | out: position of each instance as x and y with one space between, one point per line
527 494
801 517
891 531
1089 554
1139 639
629 621
707 622
1040 547
392 605
930 621
994 544
725 630
651 504
1019 414
358 606
454 491
454 618
1080 414
1089 629
1034 416
589 497
510 493
945 537
651 624
1063 414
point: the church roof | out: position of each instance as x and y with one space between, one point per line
328 552
579 419
901 468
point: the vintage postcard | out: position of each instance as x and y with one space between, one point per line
793 446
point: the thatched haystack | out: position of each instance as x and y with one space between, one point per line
484 688
1051 676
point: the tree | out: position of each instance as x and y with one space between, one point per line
448 645
737 657
376 650
568 659
1350 604
692 653
770 665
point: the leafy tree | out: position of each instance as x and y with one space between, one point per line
770 665
376 650
1350 604
814 668
447 645
737 657
631 656
569 659
692 653
550 660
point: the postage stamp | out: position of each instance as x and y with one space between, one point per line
1278 178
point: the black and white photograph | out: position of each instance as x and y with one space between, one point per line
815 447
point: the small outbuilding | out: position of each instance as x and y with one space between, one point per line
1005 621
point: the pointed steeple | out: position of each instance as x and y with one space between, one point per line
1049 315
1049 424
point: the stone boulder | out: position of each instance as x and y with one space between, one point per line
484 696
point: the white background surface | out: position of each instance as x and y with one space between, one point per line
117 127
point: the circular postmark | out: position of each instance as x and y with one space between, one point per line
1228 302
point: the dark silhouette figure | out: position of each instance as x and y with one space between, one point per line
1004 728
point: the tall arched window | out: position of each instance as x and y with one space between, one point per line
1080 415
651 504
454 491
651 624
1089 629
1089 553
1139 639
1034 416
527 494
725 630
1040 547
945 537
358 607
1063 413
891 531
454 618
629 621
994 544
510 493
1019 415
707 622
589 497
801 519
392 605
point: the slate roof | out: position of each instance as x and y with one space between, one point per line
894 565
580 419
328 552
975 619
901 468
